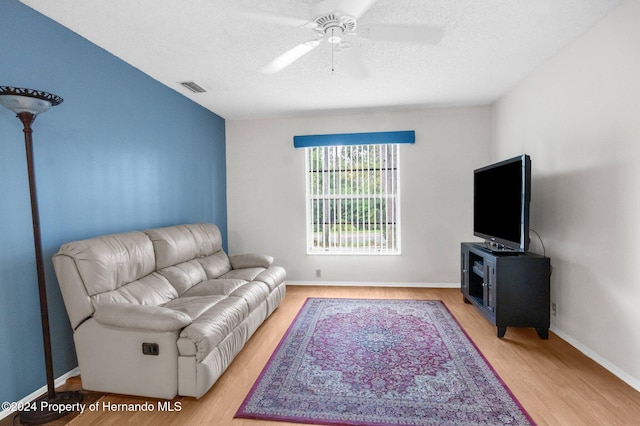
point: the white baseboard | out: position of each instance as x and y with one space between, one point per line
622 375
370 284
35 395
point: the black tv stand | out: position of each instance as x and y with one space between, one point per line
510 289
503 252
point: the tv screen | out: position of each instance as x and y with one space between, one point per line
501 204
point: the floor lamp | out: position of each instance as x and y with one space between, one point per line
27 104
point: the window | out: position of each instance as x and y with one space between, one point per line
353 199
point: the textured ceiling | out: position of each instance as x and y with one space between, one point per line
488 46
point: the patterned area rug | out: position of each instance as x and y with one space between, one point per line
380 362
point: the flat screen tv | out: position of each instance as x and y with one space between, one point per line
501 196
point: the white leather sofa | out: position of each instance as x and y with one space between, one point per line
162 312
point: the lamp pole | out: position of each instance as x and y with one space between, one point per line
28 118
27 104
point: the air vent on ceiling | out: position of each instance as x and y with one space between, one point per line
194 87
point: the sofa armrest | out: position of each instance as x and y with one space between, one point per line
242 261
127 315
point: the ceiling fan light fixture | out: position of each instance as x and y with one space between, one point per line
334 26
335 37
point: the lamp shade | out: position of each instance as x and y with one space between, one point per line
27 100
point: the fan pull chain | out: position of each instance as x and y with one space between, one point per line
333 45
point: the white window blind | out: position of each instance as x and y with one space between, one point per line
353 199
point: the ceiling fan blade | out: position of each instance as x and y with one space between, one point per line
352 61
353 8
403 33
289 57
270 17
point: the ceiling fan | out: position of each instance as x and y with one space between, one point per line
335 21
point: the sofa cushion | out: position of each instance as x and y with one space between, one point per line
108 262
247 274
188 254
181 243
184 275
212 327
272 277
194 306
254 293
152 290
216 264
222 287
132 316
207 237
172 245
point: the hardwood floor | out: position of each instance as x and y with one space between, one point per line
555 383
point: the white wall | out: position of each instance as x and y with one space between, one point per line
578 117
266 193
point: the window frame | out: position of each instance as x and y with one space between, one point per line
393 198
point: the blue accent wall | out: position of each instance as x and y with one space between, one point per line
122 152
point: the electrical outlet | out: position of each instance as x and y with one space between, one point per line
554 309
318 273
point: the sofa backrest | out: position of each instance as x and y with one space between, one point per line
88 268
146 268
108 262
181 243
189 254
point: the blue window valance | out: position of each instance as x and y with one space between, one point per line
340 139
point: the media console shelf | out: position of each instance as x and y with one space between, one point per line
510 290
